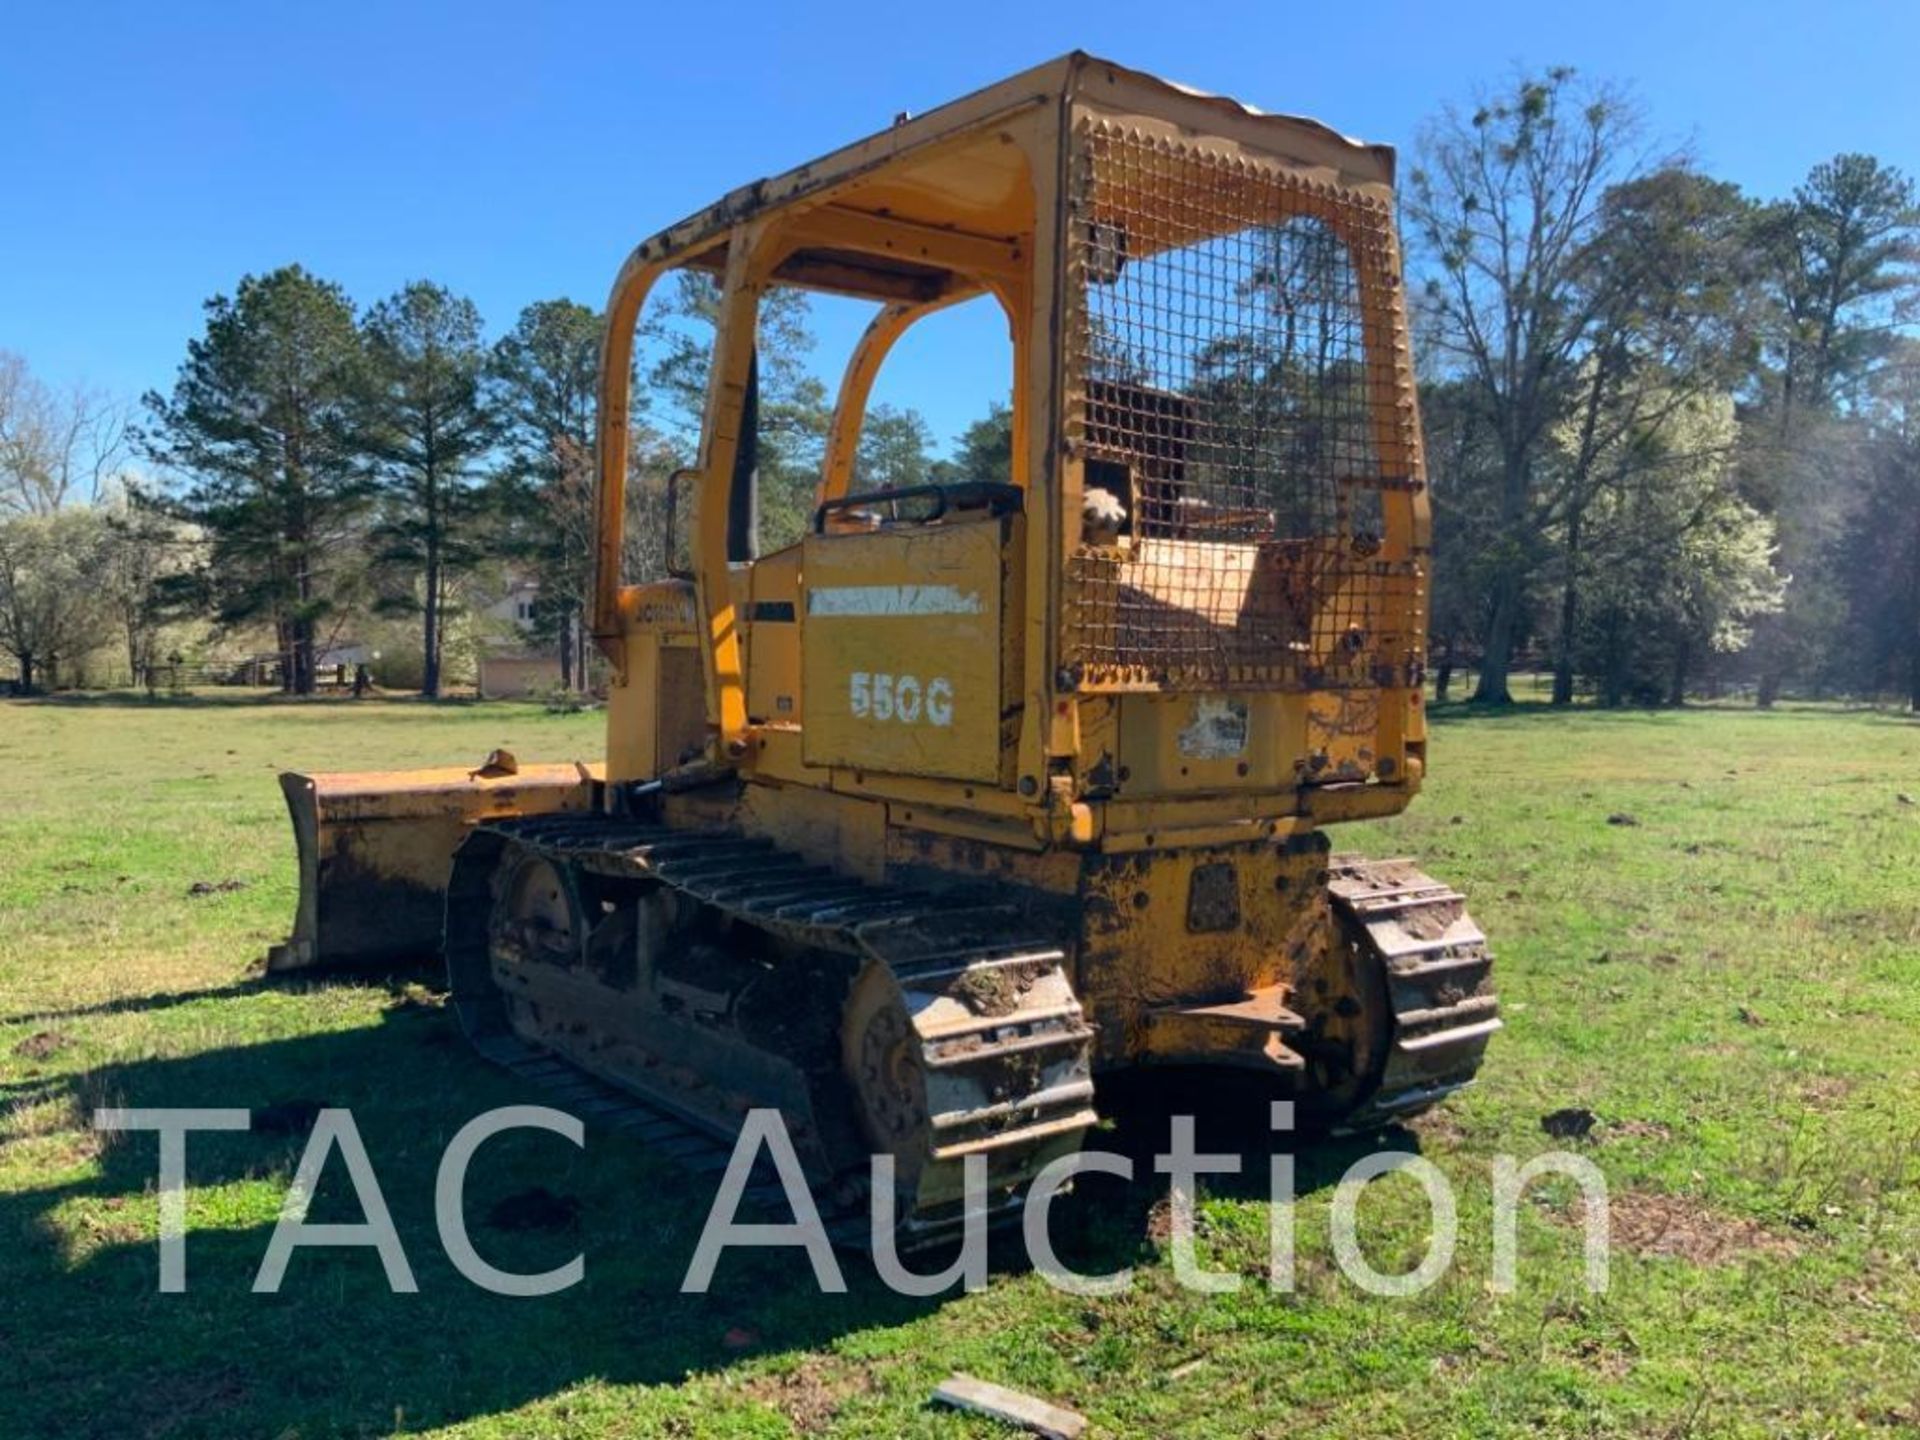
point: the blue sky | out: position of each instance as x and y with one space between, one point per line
152 154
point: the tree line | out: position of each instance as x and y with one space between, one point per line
316 464
1673 430
1672 434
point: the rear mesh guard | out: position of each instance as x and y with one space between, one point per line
1241 387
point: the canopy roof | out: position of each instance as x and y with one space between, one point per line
951 170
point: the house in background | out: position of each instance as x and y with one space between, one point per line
508 663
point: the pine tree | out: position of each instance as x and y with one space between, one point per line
259 427
547 374
425 423
895 446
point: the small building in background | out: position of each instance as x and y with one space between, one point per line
333 667
336 663
509 664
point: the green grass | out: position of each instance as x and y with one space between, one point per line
1732 983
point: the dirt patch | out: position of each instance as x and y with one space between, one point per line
1440 1125
1608 1361
1646 1224
215 887
1825 1091
1430 923
995 990
812 1394
42 1046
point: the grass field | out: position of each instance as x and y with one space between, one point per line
1727 974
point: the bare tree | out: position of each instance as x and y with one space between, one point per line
1505 203
56 448
144 555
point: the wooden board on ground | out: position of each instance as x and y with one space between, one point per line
963 1392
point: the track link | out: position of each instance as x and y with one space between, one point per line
1438 974
1004 1051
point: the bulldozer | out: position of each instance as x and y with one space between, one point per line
987 788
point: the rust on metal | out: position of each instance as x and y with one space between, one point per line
375 848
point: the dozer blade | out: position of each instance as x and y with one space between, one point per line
376 848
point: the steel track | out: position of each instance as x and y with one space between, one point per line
1439 982
1009 1080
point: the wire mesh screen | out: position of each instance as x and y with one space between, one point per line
1236 388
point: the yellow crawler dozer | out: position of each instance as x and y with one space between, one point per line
917 827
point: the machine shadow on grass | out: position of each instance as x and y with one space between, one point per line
95 1349
144 1004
